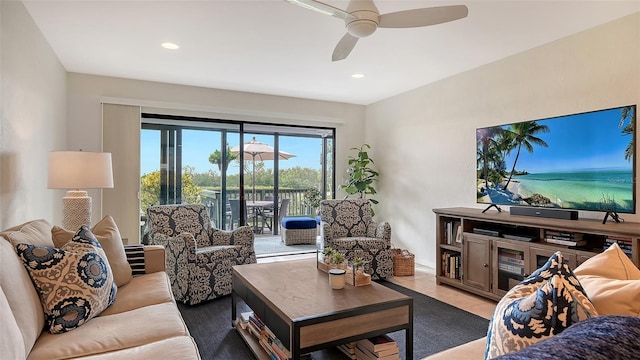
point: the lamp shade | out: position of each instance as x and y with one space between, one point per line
79 170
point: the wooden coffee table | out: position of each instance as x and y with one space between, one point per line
295 301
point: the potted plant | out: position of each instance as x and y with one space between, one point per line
361 175
337 260
358 266
216 158
327 252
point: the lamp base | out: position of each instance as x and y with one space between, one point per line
76 210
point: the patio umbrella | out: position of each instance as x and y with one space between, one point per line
259 151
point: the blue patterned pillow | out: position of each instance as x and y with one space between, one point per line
542 305
74 283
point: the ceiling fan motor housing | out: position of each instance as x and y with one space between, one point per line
365 24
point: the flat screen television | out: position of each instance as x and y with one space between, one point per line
581 161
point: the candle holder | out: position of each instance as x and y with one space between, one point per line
337 278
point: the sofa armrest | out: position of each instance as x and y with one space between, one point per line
145 259
473 350
154 259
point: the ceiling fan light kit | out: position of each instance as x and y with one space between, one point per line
362 19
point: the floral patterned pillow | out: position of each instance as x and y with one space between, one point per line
74 282
541 306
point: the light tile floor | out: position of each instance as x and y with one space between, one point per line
424 282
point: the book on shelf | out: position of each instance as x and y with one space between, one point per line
458 233
566 242
452 232
563 235
377 343
348 349
511 253
511 268
243 319
451 265
511 260
388 354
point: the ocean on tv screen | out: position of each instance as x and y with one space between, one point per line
585 190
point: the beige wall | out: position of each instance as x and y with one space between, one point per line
85 112
33 110
424 140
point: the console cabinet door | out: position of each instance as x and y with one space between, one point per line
539 257
510 264
476 256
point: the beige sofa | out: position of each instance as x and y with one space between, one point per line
143 322
612 283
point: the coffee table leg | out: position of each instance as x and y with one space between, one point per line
233 307
409 335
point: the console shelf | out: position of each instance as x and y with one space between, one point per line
488 253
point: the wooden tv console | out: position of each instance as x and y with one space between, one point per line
475 255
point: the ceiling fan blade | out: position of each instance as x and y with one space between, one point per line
322 8
423 17
344 47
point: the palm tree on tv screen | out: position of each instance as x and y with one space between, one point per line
524 135
485 138
627 112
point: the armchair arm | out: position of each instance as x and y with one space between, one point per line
242 236
180 252
380 230
326 233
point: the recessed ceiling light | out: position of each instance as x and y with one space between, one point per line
357 76
170 46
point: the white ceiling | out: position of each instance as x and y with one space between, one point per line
273 47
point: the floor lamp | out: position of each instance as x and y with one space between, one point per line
75 170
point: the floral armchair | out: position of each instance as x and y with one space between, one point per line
198 257
347 226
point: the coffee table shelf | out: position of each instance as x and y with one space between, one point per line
294 299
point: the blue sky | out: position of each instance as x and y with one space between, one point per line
577 142
197 145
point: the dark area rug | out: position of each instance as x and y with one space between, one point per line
436 326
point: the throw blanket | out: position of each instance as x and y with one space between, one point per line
598 338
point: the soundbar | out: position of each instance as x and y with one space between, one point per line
544 212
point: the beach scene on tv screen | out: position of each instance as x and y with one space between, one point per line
581 161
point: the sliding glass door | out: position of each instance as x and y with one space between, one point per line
192 161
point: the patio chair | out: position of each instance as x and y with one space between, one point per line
198 257
282 212
347 226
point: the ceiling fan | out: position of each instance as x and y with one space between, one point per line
362 19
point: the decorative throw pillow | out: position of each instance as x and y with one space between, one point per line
74 283
107 233
542 305
612 282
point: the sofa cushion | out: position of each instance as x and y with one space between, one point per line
83 292
36 232
11 343
143 290
175 348
21 296
598 338
112 333
542 305
107 233
612 282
